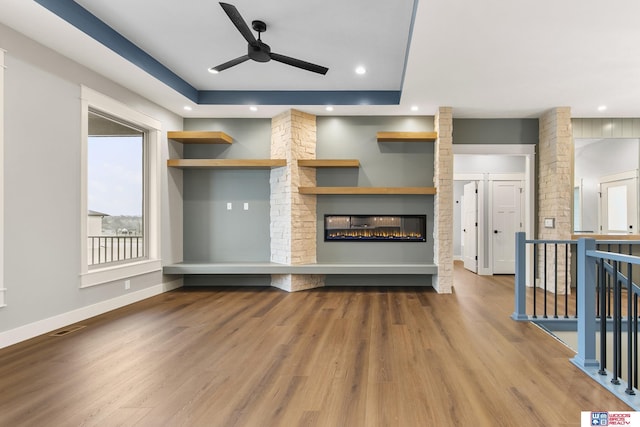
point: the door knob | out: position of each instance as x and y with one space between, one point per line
495 231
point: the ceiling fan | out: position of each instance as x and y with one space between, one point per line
257 50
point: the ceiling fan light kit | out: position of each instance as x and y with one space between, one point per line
256 49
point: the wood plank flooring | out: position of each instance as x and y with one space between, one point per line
329 357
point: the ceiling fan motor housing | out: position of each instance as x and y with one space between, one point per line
259 51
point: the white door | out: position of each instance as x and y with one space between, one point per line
506 221
470 226
619 206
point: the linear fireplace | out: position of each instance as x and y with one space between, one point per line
378 228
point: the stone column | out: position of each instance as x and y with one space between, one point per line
443 201
293 215
555 190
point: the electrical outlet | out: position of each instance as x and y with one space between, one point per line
127 284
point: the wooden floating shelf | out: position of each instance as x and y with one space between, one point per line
367 190
199 137
226 163
407 136
328 163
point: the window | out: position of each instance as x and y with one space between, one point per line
120 191
115 186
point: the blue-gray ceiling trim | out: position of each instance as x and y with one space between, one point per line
299 97
406 53
91 25
88 23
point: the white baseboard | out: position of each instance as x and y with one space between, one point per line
458 258
40 327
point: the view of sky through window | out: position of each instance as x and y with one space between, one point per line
115 175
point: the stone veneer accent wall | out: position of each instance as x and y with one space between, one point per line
443 201
555 187
293 215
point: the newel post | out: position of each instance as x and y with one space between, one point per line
586 356
520 311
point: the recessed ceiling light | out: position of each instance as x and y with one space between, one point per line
188 108
602 108
329 108
253 108
361 70
414 108
213 70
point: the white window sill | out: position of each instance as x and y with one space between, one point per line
119 272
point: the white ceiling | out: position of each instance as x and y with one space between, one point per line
486 59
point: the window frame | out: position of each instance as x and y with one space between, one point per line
93 100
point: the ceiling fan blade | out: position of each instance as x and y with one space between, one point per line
299 63
231 63
239 22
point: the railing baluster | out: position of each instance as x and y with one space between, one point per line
535 278
555 282
566 280
616 325
603 319
609 289
545 281
630 353
635 340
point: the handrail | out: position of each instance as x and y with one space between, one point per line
594 267
603 279
622 279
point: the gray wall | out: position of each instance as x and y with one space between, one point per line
42 185
384 164
495 131
211 232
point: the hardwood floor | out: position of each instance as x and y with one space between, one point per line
328 357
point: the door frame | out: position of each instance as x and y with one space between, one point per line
528 152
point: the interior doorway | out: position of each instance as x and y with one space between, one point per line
503 176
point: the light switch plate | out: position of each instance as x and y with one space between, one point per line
549 223
229 206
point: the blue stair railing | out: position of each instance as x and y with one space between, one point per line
606 305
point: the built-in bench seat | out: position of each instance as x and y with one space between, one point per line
273 268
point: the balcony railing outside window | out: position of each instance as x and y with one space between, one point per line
108 249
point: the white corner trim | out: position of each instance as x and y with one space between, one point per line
44 326
2 289
105 275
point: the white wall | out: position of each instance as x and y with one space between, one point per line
595 158
42 180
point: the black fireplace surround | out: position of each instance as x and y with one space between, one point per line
375 228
